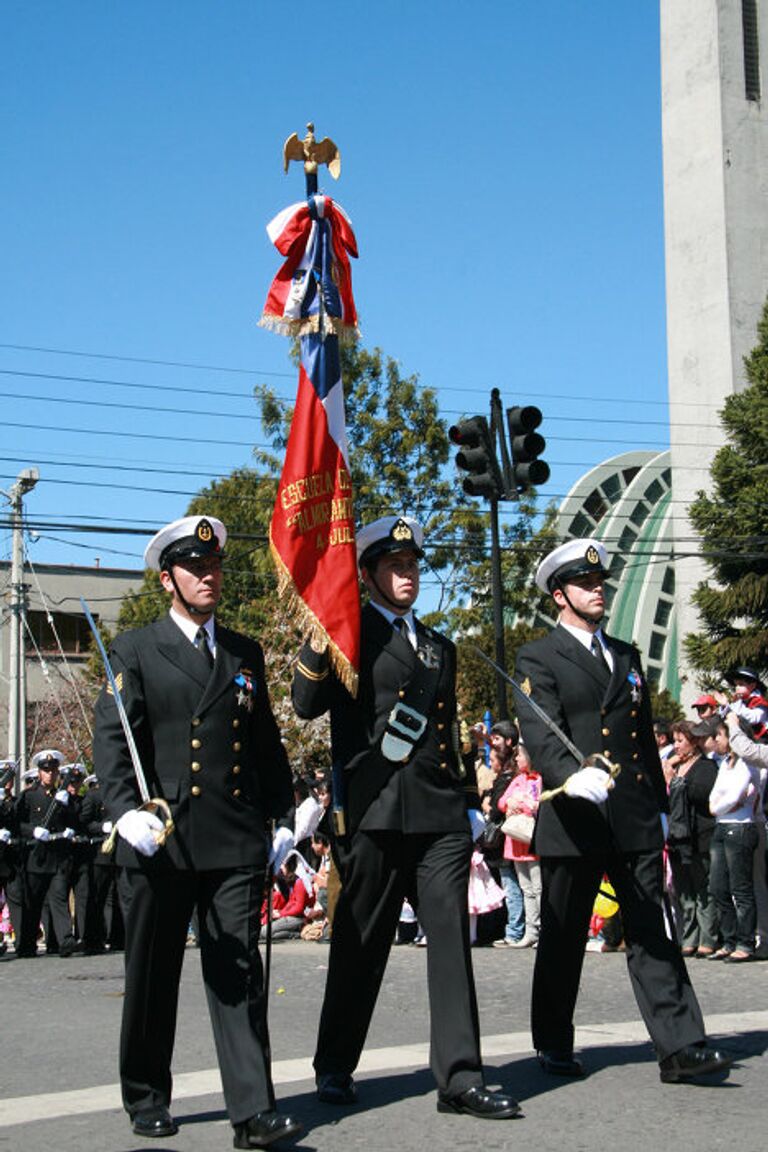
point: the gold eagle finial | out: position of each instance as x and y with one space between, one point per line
312 152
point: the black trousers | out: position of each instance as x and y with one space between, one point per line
38 885
229 912
657 971
380 869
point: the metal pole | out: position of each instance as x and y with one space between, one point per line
17 712
502 711
14 684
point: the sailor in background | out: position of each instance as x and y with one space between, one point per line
196 698
407 832
47 820
593 687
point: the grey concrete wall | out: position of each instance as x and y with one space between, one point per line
715 149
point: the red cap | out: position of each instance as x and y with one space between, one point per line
707 701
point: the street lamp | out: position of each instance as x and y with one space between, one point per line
17 728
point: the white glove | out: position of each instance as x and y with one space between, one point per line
62 797
664 825
476 823
106 827
589 784
282 842
40 833
68 834
139 829
5 835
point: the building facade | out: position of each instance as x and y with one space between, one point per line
57 640
715 153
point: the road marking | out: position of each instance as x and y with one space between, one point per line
106 1098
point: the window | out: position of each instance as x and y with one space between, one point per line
595 506
663 612
654 492
639 514
751 49
73 632
668 583
656 650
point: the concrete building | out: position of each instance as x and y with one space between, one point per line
627 503
715 151
57 642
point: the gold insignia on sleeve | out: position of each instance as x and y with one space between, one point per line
118 683
526 686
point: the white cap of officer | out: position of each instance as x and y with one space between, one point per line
574 558
388 534
190 537
48 758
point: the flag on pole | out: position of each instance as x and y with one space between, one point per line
312 532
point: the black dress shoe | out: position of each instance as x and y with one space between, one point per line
481 1103
691 1062
560 1063
154 1122
264 1129
336 1088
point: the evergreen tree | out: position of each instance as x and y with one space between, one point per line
732 519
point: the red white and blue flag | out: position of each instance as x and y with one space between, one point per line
312 532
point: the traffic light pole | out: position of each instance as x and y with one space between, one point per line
492 479
502 711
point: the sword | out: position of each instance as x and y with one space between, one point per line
148 802
595 760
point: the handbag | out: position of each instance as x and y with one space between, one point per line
519 827
491 840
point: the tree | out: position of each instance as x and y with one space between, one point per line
732 519
399 459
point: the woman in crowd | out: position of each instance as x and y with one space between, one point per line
502 762
521 798
738 843
292 897
690 778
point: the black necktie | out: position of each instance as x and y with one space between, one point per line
598 653
400 626
202 645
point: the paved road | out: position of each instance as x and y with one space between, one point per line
58 1075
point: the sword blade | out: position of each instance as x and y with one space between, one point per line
141 779
535 708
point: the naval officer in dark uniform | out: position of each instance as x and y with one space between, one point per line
196 699
47 821
592 686
407 832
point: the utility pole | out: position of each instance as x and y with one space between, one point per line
17 695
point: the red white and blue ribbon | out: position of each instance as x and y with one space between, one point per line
316 279
312 533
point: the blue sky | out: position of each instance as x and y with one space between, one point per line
501 166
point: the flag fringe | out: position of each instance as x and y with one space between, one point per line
302 617
305 325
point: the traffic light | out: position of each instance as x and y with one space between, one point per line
526 446
477 457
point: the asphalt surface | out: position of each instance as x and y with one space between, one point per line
58 1078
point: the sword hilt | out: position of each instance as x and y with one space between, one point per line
594 760
158 806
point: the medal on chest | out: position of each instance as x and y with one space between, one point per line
245 689
635 686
